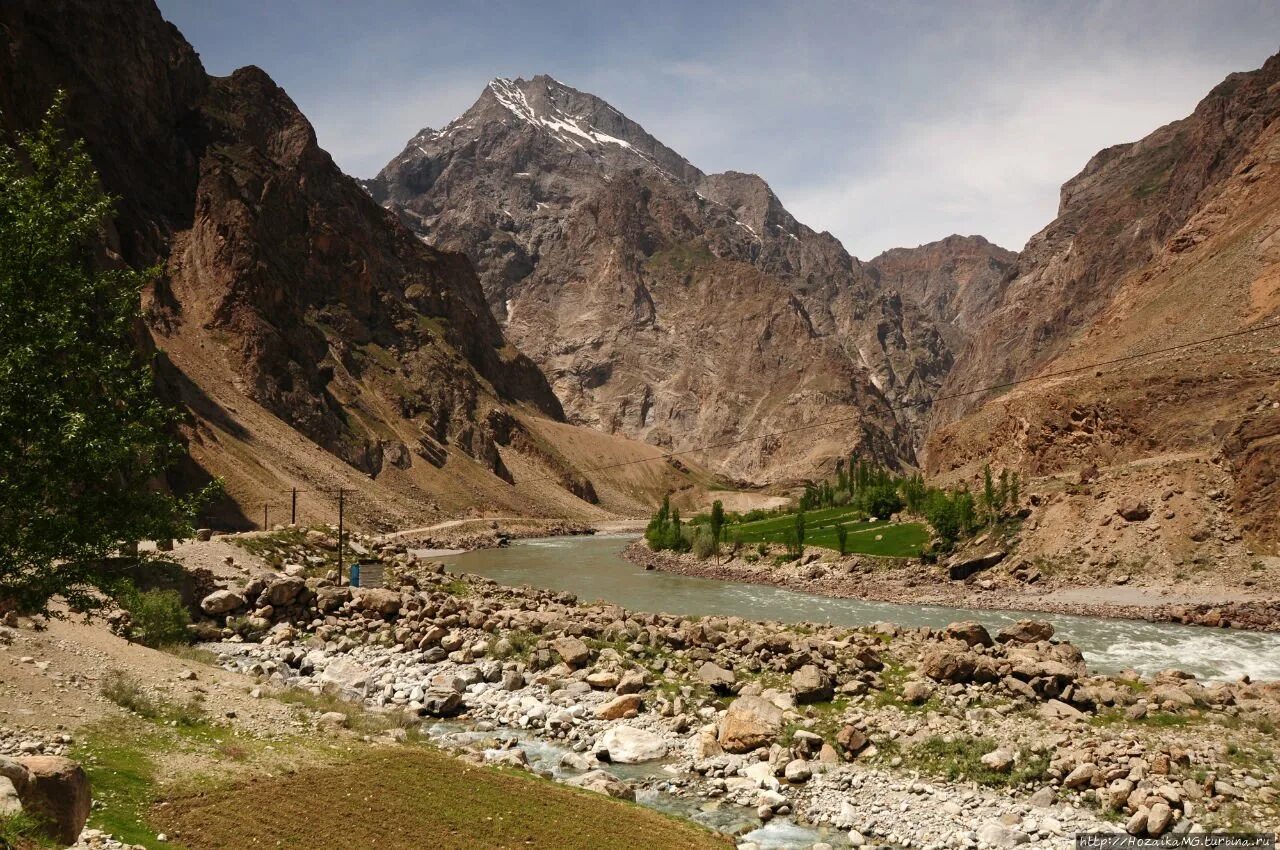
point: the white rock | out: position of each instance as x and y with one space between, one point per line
629 745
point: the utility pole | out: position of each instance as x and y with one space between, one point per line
293 508
341 507
265 527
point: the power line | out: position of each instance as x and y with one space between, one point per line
927 402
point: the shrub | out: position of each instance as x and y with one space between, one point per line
881 500
762 548
704 543
127 692
157 617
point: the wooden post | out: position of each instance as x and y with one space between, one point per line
265 527
293 508
341 506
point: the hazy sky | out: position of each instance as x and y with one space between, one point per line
888 123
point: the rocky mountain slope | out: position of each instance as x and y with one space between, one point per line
315 341
661 302
1158 243
955 280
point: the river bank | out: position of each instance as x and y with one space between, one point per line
913 582
937 736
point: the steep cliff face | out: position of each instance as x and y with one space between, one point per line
956 281
315 339
1159 243
1115 217
663 303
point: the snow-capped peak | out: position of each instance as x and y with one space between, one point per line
572 130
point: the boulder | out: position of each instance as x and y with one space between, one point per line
441 702
222 602
750 723
1159 819
995 834
346 675
974 634
14 772
631 683
1133 510
944 664
57 792
811 685
603 782
1081 777
797 772
330 599
10 801
1057 710
961 567
1026 631
1043 798
572 651
376 600
719 679
998 760
334 720
619 707
917 692
603 680
852 740
629 745
282 591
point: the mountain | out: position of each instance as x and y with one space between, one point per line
315 342
1157 243
663 303
954 280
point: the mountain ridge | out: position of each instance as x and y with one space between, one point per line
564 203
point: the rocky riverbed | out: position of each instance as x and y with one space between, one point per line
878 735
988 583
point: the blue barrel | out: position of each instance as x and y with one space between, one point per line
355 574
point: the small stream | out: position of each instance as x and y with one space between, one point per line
781 833
593 568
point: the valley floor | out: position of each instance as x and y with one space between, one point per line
871 735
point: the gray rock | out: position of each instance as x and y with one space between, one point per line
572 651
603 782
1081 777
718 678
811 685
10 802
630 745
750 723
1026 631
995 834
222 602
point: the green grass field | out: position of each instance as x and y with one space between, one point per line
898 540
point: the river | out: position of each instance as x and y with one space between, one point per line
594 569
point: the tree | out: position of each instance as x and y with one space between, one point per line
842 538
988 493
717 525
800 534
83 437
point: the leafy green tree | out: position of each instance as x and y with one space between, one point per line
1015 484
799 529
880 500
988 493
717 524
83 437
842 538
